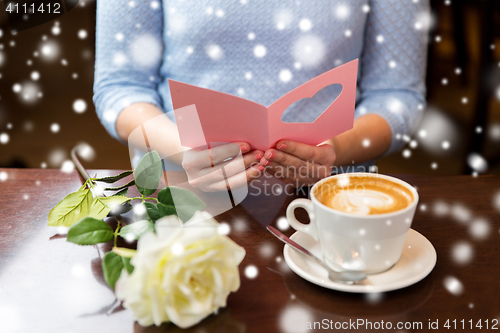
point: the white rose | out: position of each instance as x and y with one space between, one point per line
182 274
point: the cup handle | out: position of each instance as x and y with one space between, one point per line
310 228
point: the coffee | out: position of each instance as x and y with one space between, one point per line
363 195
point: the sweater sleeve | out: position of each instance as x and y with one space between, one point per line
129 52
392 82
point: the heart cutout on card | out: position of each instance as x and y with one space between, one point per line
308 109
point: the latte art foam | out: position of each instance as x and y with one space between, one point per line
363 195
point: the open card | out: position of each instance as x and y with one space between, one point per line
228 118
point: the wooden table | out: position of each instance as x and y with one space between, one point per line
50 285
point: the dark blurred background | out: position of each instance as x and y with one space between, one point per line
46 78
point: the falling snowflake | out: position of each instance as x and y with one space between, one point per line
29 92
283 19
479 229
251 272
146 50
461 213
395 105
406 153
67 166
374 298
3 176
294 319
366 143
248 75
17 88
423 21
49 50
85 151
445 145
477 162
266 250
453 285
260 51
285 75
380 38
342 12
282 223
119 59
79 106
251 36
462 253
309 50
214 51
305 24
82 34
54 128
35 76
56 30
4 138
224 228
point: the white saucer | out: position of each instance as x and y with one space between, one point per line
417 261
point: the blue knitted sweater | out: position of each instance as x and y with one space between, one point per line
260 50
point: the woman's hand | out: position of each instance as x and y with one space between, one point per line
299 164
222 167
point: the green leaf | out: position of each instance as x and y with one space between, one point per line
121 209
90 231
71 209
128 266
148 173
124 252
112 266
102 206
152 211
113 179
122 192
185 205
80 204
125 186
166 210
136 230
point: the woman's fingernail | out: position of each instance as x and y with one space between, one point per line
267 162
271 155
243 148
282 146
258 156
261 168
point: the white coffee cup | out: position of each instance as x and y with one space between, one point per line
350 242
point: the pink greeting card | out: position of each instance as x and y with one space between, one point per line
228 118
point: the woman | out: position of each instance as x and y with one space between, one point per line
261 49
